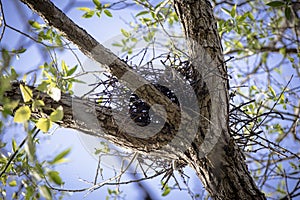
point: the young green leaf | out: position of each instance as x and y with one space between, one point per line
60 158
57 115
72 70
166 190
125 33
22 114
44 124
54 176
34 24
26 93
37 104
233 11
273 93
84 9
275 3
142 13
108 13
97 3
12 183
43 86
287 13
45 192
64 66
30 148
11 105
14 145
88 14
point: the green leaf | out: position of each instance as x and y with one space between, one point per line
11 105
34 24
44 124
37 104
282 51
60 158
58 40
30 148
276 3
54 176
125 33
64 67
29 192
108 13
97 3
166 191
43 87
45 192
233 11
89 14
287 12
142 13
26 93
22 114
294 166
226 11
98 14
273 93
117 44
12 183
84 9
106 5
57 115
14 145
72 70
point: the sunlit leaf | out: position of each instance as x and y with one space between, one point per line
54 176
225 11
72 70
45 192
30 148
12 183
57 115
44 124
43 86
84 9
11 105
233 11
14 145
22 114
97 2
26 93
117 44
60 158
125 33
273 93
142 13
108 13
166 190
64 67
34 24
89 14
37 104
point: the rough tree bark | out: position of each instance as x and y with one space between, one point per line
213 154
223 171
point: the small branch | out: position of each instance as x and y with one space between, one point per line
12 157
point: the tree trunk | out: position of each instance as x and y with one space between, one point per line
222 169
212 154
